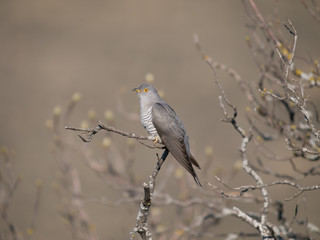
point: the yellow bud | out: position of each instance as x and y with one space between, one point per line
178 173
30 231
108 114
248 109
289 56
293 127
76 97
39 183
209 151
237 165
92 227
106 142
259 138
149 78
285 52
316 62
247 38
4 150
57 111
298 72
92 114
179 232
84 124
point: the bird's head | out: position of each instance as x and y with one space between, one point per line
147 93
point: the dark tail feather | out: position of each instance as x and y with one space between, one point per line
194 162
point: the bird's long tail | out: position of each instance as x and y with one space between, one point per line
195 163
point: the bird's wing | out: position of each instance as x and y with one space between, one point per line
172 133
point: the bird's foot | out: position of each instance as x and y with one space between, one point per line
155 139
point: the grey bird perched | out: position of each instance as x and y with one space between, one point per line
161 122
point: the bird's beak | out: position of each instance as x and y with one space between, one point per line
136 90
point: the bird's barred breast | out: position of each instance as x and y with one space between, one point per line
146 121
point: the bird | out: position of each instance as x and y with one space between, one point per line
161 122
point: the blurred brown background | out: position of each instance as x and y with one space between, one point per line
51 49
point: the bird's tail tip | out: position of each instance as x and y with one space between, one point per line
197 181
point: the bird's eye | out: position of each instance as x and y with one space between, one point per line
145 90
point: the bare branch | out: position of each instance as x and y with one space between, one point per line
265 233
142 225
91 132
244 189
